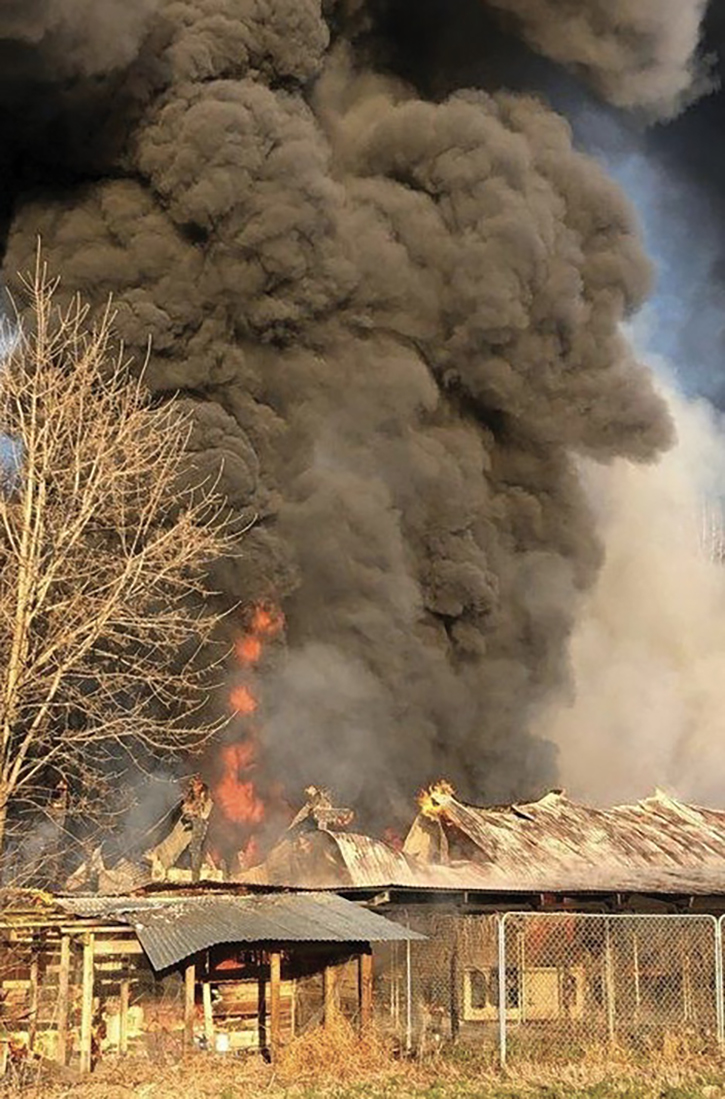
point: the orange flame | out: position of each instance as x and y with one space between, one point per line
267 620
242 701
433 801
236 793
248 650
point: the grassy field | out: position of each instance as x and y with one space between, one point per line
210 1079
337 1065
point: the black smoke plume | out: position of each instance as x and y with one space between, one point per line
399 319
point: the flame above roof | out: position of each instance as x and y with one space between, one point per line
657 844
554 845
555 831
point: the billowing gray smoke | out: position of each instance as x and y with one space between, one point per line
637 53
73 37
399 319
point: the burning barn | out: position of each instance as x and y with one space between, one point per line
532 910
551 853
568 882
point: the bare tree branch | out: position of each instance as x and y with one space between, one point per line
106 538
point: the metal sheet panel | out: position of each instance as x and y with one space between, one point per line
553 845
173 928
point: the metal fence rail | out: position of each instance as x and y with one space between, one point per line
556 985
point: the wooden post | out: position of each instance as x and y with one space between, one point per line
33 1005
365 989
261 1006
275 1013
189 1005
208 1016
329 983
62 1012
123 1016
87 1003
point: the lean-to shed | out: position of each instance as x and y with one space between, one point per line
82 977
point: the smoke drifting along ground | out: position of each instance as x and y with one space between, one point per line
399 320
648 696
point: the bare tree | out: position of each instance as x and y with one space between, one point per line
105 543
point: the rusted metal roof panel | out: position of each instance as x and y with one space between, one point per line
554 845
172 928
659 843
369 861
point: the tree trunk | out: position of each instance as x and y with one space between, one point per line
3 820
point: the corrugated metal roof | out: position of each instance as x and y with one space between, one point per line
657 833
172 928
328 859
553 845
658 843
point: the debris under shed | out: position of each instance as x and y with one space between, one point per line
86 977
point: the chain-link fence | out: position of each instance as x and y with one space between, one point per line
555 985
573 981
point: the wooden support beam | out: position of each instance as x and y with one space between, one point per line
113 947
262 1010
123 1017
62 1009
329 993
275 1002
33 1001
87 1004
365 989
208 1015
189 1005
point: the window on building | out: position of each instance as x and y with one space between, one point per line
481 992
513 990
478 989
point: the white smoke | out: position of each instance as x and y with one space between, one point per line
648 651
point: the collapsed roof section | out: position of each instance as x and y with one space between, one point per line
553 845
556 833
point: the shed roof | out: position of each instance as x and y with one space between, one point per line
171 928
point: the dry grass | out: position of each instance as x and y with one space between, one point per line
338 1064
337 1053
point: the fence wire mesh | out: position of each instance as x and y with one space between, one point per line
555 985
575 981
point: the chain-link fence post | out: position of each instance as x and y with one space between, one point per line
609 986
719 987
408 993
562 983
502 990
